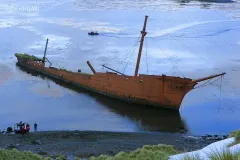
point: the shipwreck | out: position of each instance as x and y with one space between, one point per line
150 90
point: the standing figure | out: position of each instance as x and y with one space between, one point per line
27 127
15 127
22 128
35 126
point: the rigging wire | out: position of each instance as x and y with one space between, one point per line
169 60
203 85
131 53
172 37
220 97
130 56
191 50
127 50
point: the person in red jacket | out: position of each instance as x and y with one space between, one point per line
22 128
27 127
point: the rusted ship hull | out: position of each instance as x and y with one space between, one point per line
156 91
151 90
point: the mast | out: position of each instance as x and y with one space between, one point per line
143 32
91 67
45 51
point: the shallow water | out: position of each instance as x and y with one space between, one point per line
192 39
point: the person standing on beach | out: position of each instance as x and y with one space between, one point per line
22 128
27 127
35 126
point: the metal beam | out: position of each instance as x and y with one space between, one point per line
113 70
45 51
91 67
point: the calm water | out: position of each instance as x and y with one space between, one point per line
192 39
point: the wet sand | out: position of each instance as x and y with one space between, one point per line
94 143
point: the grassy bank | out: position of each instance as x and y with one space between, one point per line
235 134
154 152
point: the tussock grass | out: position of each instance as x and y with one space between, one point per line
216 155
224 155
26 155
14 154
191 157
235 134
154 152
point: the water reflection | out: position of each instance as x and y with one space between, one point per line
148 119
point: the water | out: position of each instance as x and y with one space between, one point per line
198 37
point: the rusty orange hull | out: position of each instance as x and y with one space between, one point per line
158 91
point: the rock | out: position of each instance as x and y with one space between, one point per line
207 135
204 137
11 146
43 153
36 142
225 137
76 134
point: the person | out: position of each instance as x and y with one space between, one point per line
20 125
22 128
35 126
15 126
27 127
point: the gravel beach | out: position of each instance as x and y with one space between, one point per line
94 143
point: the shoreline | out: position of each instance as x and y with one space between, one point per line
94 143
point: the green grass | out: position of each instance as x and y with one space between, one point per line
224 155
27 56
235 134
192 157
16 155
155 152
26 155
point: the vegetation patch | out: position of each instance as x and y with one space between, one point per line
27 56
14 154
63 69
192 157
26 155
224 155
235 134
85 73
154 152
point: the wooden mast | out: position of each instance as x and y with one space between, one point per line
45 51
143 32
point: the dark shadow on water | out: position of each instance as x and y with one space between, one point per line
150 119
205 1
205 4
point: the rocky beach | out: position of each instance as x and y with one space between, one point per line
84 144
